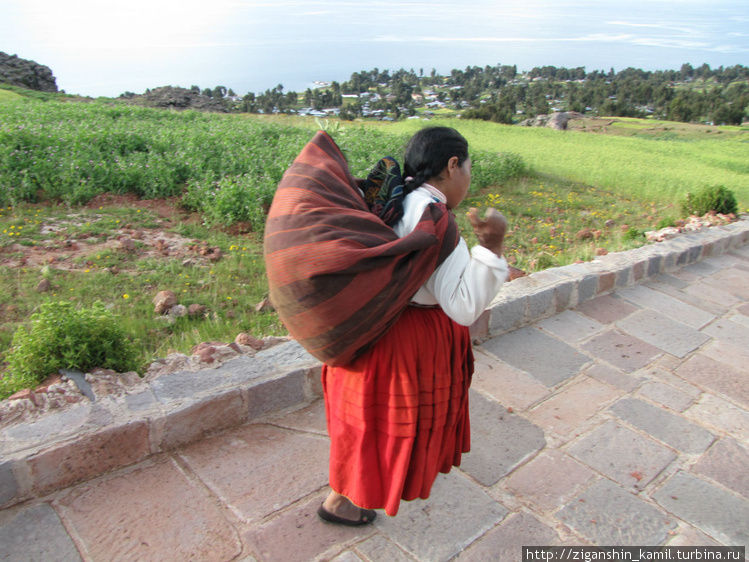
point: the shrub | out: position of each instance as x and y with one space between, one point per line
62 336
716 198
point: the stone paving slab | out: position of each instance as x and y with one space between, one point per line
662 332
625 456
547 359
622 350
502 440
152 513
606 514
457 508
664 426
723 463
35 533
708 507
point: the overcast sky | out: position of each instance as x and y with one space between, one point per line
99 47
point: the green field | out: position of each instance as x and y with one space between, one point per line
661 165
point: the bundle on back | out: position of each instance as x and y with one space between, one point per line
339 276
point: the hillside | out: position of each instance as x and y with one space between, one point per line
26 74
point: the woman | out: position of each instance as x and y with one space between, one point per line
398 414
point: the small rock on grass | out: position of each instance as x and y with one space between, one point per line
163 301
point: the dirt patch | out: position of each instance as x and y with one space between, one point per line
80 251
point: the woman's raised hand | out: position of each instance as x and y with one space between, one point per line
490 230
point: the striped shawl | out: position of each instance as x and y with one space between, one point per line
339 277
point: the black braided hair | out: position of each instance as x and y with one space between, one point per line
428 152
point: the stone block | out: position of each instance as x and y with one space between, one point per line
187 385
666 395
606 514
196 420
621 350
669 428
35 533
734 356
278 393
720 514
571 326
548 480
613 377
565 295
717 377
88 456
540 304
606 282
151 513
587 288
380 548
623 455
288 356
607 309
566 411
654 265
258 469
713 412
729 332
664 333
509 386
545 358
456 513
8 485
310 419
720 463
507 316
647 297
500 441
506 541
53 425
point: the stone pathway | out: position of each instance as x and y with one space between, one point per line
622 421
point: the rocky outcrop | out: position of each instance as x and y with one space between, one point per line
173 97
26 74
556 121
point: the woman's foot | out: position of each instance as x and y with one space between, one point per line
338 509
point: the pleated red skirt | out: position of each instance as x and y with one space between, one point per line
398 414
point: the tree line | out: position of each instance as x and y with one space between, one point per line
502 94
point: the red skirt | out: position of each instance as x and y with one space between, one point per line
398 414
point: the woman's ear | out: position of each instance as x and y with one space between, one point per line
452 165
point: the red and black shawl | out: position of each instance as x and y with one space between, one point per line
339 277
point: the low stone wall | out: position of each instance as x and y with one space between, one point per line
90 438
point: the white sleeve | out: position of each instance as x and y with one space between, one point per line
465 283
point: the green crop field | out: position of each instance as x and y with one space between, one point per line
656 161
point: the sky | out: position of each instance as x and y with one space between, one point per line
105 48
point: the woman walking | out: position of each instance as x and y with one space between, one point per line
397 408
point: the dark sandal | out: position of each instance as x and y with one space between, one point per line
366 516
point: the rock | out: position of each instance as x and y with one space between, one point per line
557 120
244 338
188 262
163 301
601 251
609 223
177 311
264 306
195 310
170 97
584 234
43 286
26 74
515 273
215 255
128 245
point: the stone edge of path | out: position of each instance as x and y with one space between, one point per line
76 444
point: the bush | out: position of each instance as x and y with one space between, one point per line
62 336
716 198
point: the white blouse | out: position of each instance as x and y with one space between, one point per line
465 283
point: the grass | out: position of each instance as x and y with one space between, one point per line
638 164
96 267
